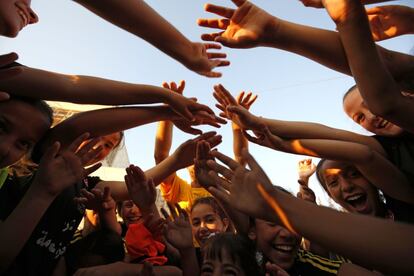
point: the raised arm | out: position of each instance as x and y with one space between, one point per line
318 3
58 170
375 167
35 83
375 82
289 129
163 138
249 26
136 17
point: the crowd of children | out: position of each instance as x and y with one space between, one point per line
231 219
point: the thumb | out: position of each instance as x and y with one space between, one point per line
228 42
51 152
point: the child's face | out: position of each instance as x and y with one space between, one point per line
130 213
21 127
205 221
108 143
356 109
277 244
14 16
221 266
349 188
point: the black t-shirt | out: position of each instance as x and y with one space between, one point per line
52 234
400 151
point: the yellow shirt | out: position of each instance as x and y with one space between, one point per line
182 193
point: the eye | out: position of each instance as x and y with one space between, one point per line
230 272
332 182
3 127
24 145
353 174
195 223
360 118
210 220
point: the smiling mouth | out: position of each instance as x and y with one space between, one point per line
358 202
382 124
284 248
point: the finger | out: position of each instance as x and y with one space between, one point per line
253 165
211 37
220 193
212 46
252 100
80 200
98 194
92 169
51 152
166 85
192 130
232 164
90 156
211 74
214 141
4 96
7 59
219 10
228 174
228 42
173 212
181 87
73 147
87 147
173 86
222 23
246 99
106 193
216 55
240 97
165 214
230 99
221 63
205 136
197 106
252 139
222 101
218 180
88 195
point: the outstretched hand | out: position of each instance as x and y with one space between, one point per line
242 189
390 21
244 27
186 152
306 168
141 190
203 62
97 200
59 169
178 228
200 165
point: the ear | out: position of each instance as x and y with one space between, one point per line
252 233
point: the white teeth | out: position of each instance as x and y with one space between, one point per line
355 197
284 247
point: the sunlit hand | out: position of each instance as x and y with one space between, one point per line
312 3
242 190
246 26
59 169
305 169
339 10
203 62
200 165
200 118
178 229
141 190
174 87
390 21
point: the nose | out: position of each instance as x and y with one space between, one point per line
33 18
373 119
286 235
345 185
4 150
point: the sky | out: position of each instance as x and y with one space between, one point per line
69 39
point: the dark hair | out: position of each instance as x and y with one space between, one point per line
238 247
352 88
40 105
319 174
212 202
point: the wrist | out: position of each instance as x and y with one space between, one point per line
235 126
40 194
272 32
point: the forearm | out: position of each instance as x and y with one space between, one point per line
239 143
16 230
305 130
326 225
140 19
81 89
325 47
163 140
107 121
189 262
163 170
108 221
